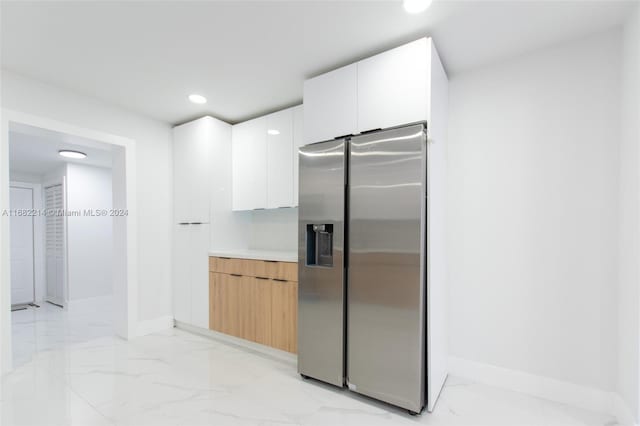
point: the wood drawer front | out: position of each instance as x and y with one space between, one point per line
255 268
262 310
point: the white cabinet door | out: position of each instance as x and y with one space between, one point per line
249 160
393 87
298 141
240 164
258 162
279 159
330 104
192 148
200 170
199 261
182 273
181 180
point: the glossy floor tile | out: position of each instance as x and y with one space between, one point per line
177 378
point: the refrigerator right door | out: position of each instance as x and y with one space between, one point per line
387 266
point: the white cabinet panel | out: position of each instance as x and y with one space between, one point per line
192 147
298 141
199 260
330 105
182 273
241 172
200 171
191 274
279 159
181 181
249 165
393 87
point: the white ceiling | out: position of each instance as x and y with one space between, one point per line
249 58
35 151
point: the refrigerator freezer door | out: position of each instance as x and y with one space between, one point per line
386 297
321 289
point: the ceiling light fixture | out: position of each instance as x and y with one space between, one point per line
416 6
273 132
197 99
72 154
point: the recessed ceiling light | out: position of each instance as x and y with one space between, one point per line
198 99
72 154
416 6
273 132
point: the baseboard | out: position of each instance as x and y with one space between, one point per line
154 325
622 412
245 344
584 397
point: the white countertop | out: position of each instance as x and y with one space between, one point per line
281 256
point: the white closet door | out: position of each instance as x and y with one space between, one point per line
54 205
22 283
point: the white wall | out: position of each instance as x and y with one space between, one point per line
89 238
533 212
153 177
629 231
17 176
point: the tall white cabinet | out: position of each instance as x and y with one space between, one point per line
264 158
194 147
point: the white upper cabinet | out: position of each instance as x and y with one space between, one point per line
393 87
279 159
386 90
331 105
249 165
265 160
192 147
298 141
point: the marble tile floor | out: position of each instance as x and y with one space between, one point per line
50 327
178 378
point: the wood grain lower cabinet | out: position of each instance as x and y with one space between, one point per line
263 311
284 315
256 308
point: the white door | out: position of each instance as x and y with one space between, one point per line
331 105
392 87
298 141
182 273
279 159
181 183
54 205
200 170
249 164
199 266
22 284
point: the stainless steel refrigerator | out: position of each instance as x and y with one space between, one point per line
363 264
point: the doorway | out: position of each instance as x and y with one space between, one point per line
122 249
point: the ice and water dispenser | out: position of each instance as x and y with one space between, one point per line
320 244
